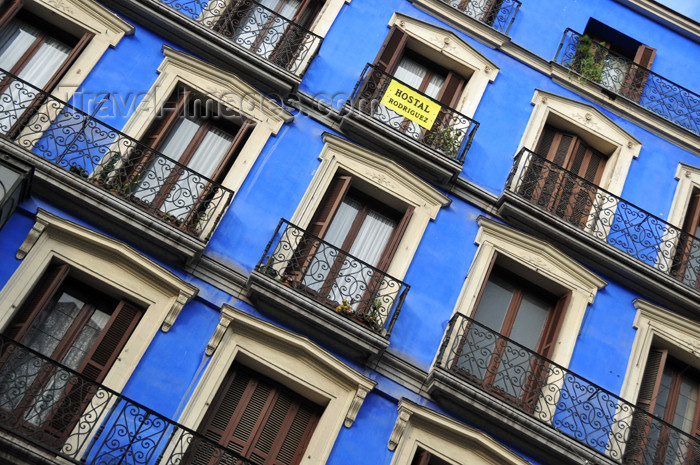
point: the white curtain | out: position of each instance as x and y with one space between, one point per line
251 27
14 42
204 161
325 256
411 73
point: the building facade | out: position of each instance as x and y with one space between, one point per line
407 232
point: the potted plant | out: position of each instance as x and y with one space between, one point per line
373 316
589 59
446 140
267 269
79 171
344 308
172 219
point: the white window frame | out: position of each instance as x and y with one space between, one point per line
418 426
290 359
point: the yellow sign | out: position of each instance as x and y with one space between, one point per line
409 103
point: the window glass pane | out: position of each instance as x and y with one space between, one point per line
53 324
494 303
15 39
529 321
87 337
210 152
662 397
687 400
410 72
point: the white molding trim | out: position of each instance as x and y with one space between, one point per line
666 16
543 261
108 264
80 16
292 360
688 178
448 49
591 124
447 438
382 175
658 327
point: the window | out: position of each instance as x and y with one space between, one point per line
423 457
203 147
591 130
511 308
440 55
422 436
75 325
360 233
558 192
623 58
266 28
686 262
215 127
670 390
260 419
662 376
539 302
37 53
53 46
257 358
391 190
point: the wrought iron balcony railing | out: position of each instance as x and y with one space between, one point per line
606 217
333 278
620 75
256 28
560 398
67 414
450 135
499 14
97 153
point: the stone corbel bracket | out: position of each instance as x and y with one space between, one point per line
357 401
225 319
399 427
172 315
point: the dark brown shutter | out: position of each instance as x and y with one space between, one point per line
37 301
452 90
259 419
636 78
111 341
645 56
307 11
651 380
391 50
692 216
10 9
393 243
329 205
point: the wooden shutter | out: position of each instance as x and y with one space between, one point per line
452 90
636 77
329 205
111 341
259 419
391 50
393 243
692 216
651 380
38 299
99 360
687 241
306 12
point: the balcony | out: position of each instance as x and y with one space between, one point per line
106 176
326 292
258 44
436 154
603 230
620 76
50 414
481 371
498 15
